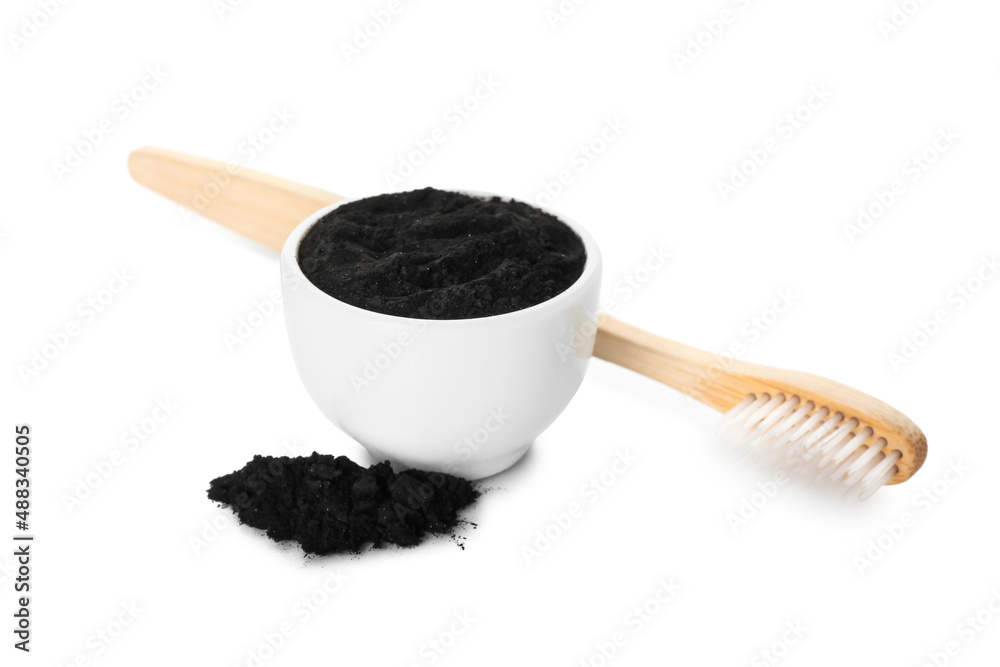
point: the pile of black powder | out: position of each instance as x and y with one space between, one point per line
330 504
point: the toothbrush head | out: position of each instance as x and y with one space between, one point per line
857 450
825 429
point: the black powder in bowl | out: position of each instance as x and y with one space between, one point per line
433 254
330 504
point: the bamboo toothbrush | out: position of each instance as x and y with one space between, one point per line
822 429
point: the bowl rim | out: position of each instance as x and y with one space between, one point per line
591 268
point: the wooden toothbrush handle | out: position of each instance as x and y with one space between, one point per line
685 368
262 207
266 209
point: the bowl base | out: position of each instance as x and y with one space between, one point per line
471 470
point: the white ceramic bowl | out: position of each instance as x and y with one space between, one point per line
467 397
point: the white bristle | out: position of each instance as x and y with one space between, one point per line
809 440
879 475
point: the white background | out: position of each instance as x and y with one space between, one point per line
671 514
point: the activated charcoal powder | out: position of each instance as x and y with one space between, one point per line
330 504
432 254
